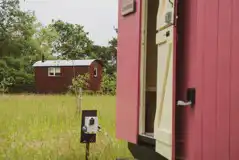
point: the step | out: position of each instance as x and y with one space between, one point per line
180 158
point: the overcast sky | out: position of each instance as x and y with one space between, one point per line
97 16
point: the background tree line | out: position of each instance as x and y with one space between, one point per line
23 41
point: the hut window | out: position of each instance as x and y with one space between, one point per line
54 71
95 72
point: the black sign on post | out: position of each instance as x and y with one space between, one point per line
89 127
128 7
86 137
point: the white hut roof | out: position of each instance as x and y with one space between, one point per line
52 63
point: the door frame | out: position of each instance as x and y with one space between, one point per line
175 44
143 48
142 87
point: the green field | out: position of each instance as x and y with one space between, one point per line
47 127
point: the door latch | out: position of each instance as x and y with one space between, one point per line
182 103
191 94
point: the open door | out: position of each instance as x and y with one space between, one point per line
128 62
164 110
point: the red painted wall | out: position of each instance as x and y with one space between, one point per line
128 58
95 82
210 62
46 84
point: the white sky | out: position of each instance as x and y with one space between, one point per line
97 16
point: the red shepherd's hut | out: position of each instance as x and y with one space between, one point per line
178 79
55 76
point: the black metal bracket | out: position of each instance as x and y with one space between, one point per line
191 95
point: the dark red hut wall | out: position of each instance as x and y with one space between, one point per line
46 84
95 82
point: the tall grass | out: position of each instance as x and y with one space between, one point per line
47 127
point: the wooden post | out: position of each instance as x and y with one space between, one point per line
87 151
79 101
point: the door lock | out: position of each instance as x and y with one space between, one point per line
191 94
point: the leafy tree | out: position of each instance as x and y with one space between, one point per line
46 36
5 83
80 81
112 49
17 29
108 84
22 42
73 41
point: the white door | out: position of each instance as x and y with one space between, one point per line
163 117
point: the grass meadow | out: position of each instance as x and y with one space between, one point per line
43 127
